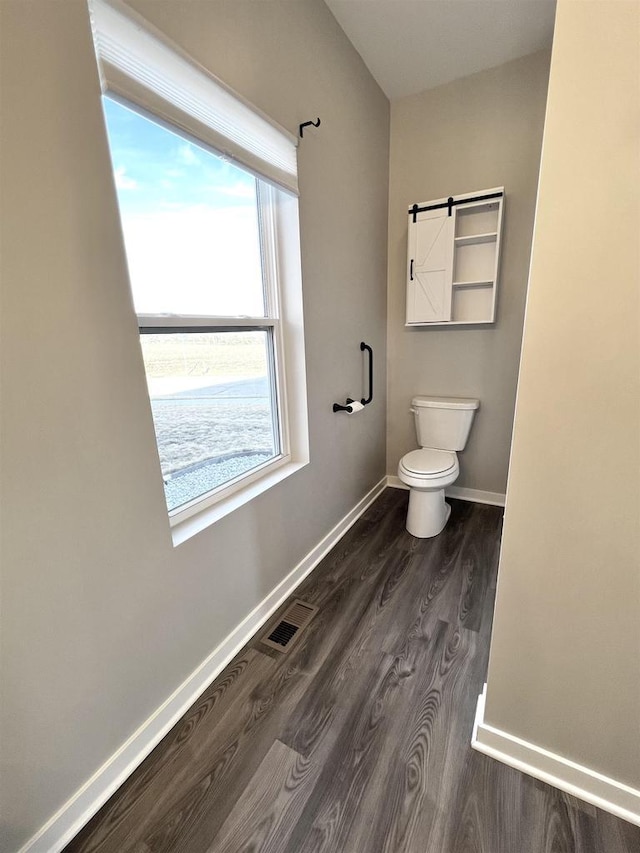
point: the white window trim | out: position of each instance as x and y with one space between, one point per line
278 217
292 386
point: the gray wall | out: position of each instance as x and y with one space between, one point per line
478 132
102 618
565 664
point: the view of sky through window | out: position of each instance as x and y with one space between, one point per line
188 216
191 232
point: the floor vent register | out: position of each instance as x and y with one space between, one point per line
290 626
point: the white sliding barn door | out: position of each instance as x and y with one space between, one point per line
430 271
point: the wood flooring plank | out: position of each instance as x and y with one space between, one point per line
422 746
406 771
505 810
432 592
361 551
358 739
345 667
479 564
267 812
241 742
198 816
336 804
421 735
371 598
156 783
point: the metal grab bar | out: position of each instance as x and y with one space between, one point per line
338 407
366 347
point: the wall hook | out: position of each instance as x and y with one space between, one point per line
315 123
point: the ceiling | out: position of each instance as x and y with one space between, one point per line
412 45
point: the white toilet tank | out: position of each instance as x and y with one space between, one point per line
443 423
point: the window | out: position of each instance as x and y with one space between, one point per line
213 254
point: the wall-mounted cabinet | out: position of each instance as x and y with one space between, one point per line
453 259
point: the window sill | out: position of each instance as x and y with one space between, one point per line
186 528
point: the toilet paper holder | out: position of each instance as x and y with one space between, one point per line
351 405
350 408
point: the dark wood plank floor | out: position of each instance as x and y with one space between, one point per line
357 740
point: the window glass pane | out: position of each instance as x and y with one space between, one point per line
190 222
213 407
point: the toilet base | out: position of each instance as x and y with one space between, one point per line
428 513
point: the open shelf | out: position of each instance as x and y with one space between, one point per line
474 262
472 302
490 237
484 283
478 219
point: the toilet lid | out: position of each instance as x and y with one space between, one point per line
426 461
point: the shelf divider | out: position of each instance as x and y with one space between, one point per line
473 239
482 283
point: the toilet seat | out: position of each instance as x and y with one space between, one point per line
427 463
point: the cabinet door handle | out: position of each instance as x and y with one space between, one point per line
411 271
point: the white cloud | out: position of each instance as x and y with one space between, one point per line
123 181
187 155
238 190
195 260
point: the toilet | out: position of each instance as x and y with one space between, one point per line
442 427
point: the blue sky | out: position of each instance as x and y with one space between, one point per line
189 219
155 167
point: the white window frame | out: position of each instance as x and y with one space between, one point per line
278 224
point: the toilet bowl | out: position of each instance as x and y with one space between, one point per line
428 472
442 427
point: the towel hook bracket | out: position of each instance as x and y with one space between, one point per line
315 123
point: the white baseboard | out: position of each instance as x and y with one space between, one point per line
474 495
577 780
396 483
73 815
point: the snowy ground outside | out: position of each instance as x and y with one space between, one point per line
209 435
